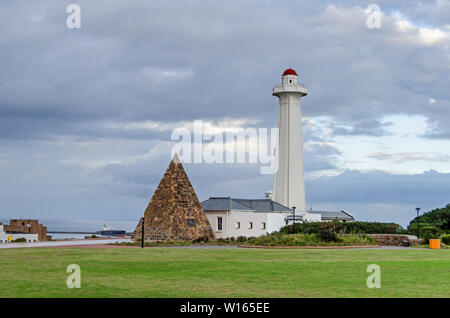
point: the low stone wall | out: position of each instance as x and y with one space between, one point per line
396 239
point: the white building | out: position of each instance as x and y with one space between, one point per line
244 217
289 184
230 217
8 237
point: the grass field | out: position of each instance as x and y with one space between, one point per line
176 272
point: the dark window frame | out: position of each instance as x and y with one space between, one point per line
219 223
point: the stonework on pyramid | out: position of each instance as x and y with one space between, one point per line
174 211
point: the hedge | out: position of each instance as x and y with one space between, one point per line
344 228
309 240
446 239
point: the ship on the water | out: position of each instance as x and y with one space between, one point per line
107 231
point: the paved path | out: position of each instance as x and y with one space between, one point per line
65 243
385 247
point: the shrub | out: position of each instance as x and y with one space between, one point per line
203 239
430 232
446 239
356 239
327 236
19 240
345 228
311 239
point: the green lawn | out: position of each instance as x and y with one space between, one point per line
159 272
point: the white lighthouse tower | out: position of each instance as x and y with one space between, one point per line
289 184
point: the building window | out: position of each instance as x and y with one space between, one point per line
238 225
190 222
219 223
263 225
250 225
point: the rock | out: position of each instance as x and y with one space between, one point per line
396 239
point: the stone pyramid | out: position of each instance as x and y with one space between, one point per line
174 211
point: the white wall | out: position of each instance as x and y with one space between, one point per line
273 222
29 237
276 221
312 217
212 218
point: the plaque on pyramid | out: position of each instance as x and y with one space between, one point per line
174 211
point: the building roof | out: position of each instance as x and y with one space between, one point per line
290 71
256 205
265 205
333 215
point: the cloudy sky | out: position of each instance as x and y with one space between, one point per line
86 115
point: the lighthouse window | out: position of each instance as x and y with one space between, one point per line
238 225
263 225
219 223
191 222
290 81
250 225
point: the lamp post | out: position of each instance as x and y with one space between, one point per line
142 233
293 220
418 223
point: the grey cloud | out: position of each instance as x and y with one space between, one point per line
354 186
409 156
322 149
227 50
320 157
438 135
365 127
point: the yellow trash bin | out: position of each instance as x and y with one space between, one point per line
435 244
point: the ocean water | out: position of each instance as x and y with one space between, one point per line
80 225
67 236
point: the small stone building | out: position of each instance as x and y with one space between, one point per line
174 211
12 236
26 226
